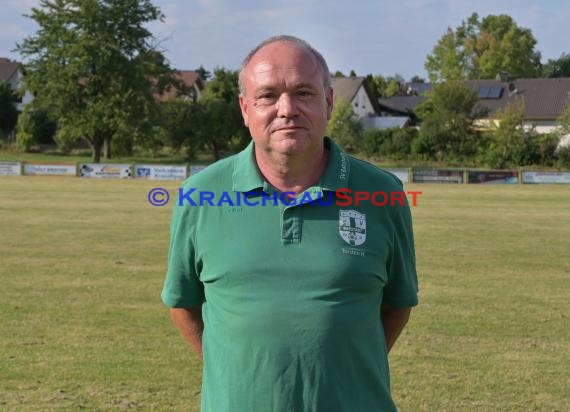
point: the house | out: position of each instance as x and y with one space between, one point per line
355 91
544 100
11 73
385 122
405 105
193 85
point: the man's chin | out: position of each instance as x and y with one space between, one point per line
291 145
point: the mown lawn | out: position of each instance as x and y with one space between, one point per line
82 325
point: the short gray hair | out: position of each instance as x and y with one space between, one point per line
289 39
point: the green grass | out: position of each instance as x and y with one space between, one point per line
84 156
82 325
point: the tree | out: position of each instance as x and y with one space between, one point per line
447 128
8 109
557 68
203 73
34 127
177 126
564 120
417 79
482 49
93 63
377 86
510 143
382 87
344 126
213 123
220 124
393 88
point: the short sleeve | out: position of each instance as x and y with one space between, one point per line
182 287
401 289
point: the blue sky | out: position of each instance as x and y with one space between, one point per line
380 37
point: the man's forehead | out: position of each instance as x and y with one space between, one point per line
283 56
266 67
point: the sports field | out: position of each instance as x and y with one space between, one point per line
82 326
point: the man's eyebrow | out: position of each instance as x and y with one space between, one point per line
264 89
296 86
303 85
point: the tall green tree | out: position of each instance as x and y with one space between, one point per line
481 49
557 68
219 121
447 131
91 63
382 87
8 109
203 73
510 145
417 79
377 85
344 126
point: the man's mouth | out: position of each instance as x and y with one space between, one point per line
288 128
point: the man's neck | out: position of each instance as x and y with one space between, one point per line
293 173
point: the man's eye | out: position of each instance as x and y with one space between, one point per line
304 93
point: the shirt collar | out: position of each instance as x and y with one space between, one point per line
247 177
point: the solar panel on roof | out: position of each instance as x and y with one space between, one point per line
483 92
495 92
490 92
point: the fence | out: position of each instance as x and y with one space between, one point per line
181 172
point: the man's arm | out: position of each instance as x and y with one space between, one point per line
393 321
189 322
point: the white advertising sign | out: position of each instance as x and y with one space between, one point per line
49 169
10 169
196 169
546 177
160 172
107 171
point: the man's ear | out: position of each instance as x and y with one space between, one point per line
243 107
329 95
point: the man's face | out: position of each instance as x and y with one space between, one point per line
285 104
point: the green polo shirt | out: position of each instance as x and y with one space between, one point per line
291 293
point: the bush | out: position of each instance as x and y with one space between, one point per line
391 143
371 141
34 127
399 145
563 157
545 146
25 135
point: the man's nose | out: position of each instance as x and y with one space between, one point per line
286 106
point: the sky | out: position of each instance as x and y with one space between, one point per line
367 36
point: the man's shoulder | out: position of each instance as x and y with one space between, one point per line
364 172
214 176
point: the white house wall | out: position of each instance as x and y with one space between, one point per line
361 104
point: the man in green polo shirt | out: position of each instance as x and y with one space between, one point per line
293 300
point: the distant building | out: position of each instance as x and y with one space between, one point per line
11 73
544 101
193 87
355 91
385 122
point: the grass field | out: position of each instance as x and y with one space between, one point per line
82 326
